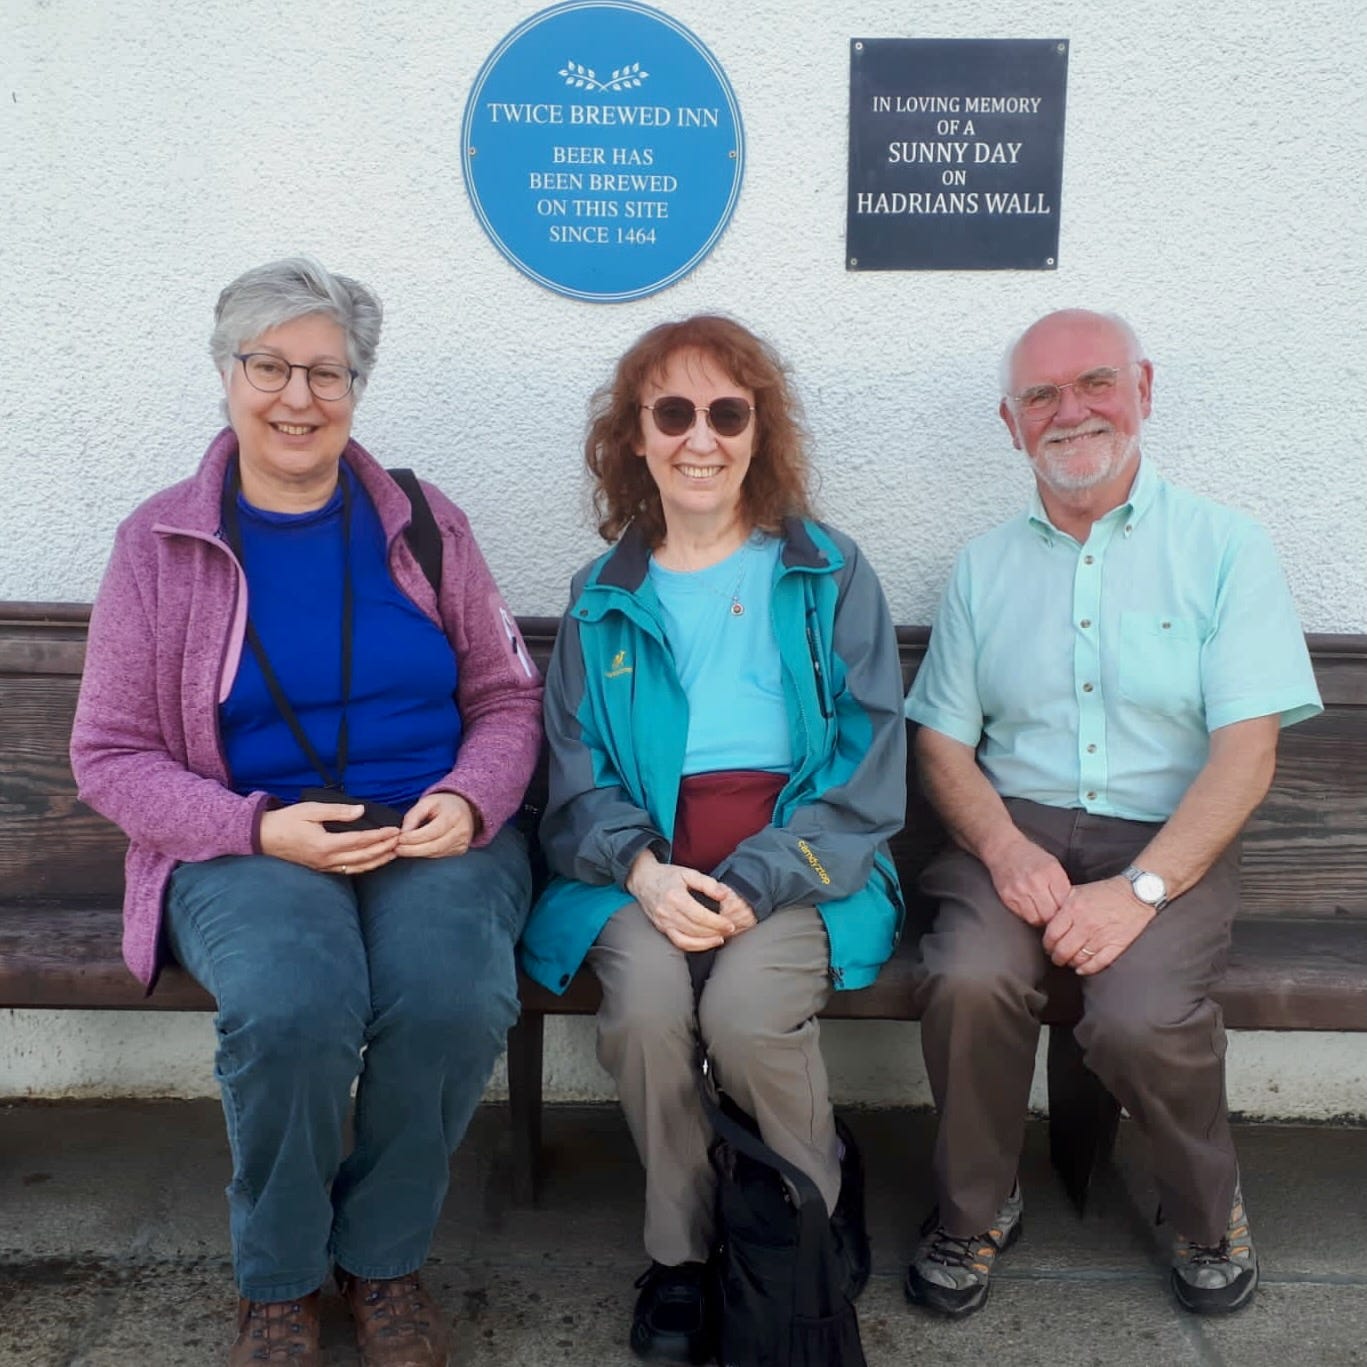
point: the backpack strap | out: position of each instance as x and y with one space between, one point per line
422 534
744 1140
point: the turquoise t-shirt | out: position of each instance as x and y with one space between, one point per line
1091 676
728 661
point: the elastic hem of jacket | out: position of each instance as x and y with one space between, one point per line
482 835
643 840
267 804
752 894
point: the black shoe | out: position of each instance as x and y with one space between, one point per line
670 1321
848 1218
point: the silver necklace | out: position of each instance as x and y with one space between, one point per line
737 608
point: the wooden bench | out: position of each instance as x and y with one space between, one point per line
1299 959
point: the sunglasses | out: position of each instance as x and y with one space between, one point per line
675 415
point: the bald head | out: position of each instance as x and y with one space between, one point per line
1065 323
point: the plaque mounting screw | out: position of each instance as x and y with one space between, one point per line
1048 260
732 154
854 261
472 151
859 47
1063 47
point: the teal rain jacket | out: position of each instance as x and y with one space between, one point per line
617 721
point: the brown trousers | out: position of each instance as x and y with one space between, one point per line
1149 1029
758 1016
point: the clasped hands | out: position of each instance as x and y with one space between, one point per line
1087 926
665 893
436 825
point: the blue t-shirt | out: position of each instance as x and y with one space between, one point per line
728 662
403 723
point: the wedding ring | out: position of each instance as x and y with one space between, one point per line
1087 953
346 869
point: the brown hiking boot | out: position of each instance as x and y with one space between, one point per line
276 1331
397 1322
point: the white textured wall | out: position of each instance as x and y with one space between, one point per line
1213 192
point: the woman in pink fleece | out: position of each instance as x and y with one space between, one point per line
315 722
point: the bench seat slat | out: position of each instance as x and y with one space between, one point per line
1283 975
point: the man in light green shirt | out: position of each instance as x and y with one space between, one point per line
1099 712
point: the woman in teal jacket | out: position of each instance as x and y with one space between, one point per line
727 763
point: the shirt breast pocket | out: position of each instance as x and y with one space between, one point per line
1160 662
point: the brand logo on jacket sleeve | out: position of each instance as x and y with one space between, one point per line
619 666
810 855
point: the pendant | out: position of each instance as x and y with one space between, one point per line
737 608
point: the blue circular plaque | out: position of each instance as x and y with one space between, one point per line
603 149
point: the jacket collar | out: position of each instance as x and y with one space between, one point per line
202 507
627 565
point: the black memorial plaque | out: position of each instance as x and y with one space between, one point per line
956 153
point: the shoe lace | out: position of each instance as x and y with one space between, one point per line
278 1324
952 1251
395 1307
1208 1255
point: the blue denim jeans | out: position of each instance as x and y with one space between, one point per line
412 964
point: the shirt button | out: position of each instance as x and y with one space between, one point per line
1167 626
1091 797
1129 527
1088 559
1086 688
1091 749
1086 622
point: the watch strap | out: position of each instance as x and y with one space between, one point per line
1133 873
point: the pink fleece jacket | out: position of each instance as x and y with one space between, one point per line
166 635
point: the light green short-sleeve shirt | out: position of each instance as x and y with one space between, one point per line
1091 676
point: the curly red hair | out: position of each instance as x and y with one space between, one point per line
776 485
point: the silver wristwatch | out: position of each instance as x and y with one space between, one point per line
1148 887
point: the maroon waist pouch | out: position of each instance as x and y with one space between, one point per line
719 810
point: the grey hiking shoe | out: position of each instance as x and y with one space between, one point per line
1214 1279
950 1274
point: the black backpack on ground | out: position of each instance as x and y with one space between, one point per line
783 1284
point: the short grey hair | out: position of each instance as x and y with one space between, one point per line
1132 343
280 291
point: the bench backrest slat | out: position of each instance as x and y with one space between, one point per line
1305 851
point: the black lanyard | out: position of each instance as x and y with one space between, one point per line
232 534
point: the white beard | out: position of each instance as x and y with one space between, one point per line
1067 474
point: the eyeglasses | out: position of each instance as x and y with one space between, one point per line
270 374
675 415
1040 399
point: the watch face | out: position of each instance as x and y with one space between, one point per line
1149 887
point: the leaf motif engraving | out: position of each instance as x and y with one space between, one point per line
581 77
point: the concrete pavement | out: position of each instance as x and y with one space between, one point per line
114 1250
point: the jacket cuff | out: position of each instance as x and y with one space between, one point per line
484 829
757 899
266 804
626 856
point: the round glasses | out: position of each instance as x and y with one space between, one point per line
270 374
1092 385
675 415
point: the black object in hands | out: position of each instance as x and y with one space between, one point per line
700 960
376 817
